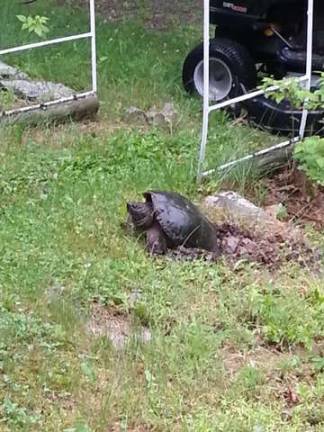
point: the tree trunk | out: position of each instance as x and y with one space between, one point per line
273 160
76 109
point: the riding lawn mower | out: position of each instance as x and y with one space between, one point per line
255 39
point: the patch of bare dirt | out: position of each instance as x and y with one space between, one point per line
270 249
118 327
156 14
303 200
261 357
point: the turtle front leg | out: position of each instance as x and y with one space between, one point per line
156 241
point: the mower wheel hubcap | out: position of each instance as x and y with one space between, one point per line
220 79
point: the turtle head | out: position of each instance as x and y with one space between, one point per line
141 214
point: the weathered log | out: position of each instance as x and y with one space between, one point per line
76 109
273 160
262 162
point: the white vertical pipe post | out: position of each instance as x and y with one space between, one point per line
204 132
93 46
309 62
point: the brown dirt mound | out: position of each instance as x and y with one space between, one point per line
156 14
303 199
270 250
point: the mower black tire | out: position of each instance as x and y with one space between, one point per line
234 55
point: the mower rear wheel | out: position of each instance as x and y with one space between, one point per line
231 70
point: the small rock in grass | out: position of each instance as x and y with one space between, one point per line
169 112
164 118
154 117
135 115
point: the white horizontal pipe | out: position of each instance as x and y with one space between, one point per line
251 156
46 43
250 95
44 105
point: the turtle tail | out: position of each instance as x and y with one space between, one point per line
141 214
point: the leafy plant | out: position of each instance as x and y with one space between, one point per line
292 90
36 24
318 363
17 416
310 155
310 152
282 212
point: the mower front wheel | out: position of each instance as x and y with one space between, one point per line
231 70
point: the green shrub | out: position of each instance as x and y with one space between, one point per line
36 24
310 156
309 153
297 94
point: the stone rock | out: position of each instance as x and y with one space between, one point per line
8 73
154 117
232 244
232 207
135 115
170 112
40 91
163 118
235 205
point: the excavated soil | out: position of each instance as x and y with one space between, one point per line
303 200
269 250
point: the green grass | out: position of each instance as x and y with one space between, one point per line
226 346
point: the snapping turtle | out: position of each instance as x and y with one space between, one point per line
170 220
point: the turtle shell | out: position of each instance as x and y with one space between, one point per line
181 221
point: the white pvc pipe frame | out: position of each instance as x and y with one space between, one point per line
207 109
88 35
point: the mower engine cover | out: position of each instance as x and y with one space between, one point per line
256 9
